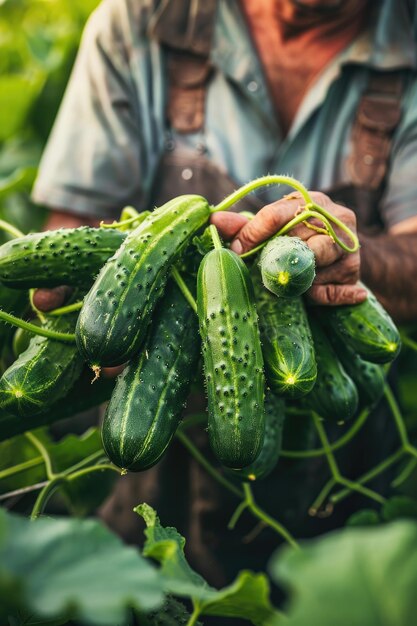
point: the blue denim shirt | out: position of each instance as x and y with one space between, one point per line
111 130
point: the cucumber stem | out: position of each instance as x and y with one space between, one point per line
36 330
64 310
9 228
271 179
184 289
215 237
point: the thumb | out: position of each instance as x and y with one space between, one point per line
266 223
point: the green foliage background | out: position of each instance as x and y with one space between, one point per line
38 44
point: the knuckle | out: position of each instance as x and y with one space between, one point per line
320 197
332 293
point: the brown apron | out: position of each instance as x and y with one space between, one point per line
184 495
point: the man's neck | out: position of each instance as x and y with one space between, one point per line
294 46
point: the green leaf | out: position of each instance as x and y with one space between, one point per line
352 577
247 597
203 242
365 517
64 453
21 465
172 613
74 568
17 94
21 179
399 507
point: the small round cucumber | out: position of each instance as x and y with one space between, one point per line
287 266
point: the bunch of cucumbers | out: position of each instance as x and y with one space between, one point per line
154 301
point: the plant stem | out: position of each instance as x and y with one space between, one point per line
215 237
9 228
398 418
405 473
335 469
21 467
308 454
90 470
45 494
44 453
195 452
36 330
261 182
309 204
194 617
318 502
266 518
64 310
184 289
370 475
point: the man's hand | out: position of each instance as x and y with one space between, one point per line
49 299
337 272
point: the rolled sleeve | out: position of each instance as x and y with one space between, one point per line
93 162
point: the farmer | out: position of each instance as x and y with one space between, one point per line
177 97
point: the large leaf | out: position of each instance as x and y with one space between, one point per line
247 597
17 94
22 465
353 577
73 568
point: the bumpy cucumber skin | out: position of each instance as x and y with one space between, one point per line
68 256
369 378
146 405
271 447
117 310
287 344
287 266
42 374
233 360
334 396
366 328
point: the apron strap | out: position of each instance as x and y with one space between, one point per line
377 117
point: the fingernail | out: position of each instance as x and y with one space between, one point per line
237 246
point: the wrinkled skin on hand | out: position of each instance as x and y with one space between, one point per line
337 272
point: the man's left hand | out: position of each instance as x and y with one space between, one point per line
337 272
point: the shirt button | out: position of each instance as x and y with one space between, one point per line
253 86
187 174
169 145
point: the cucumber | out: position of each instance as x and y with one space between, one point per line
366 328
68 256
287 344
146 405
271 447
42 374
288 266
369 378
233 363
118 309
334 396
82 397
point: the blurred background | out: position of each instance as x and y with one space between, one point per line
38 45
